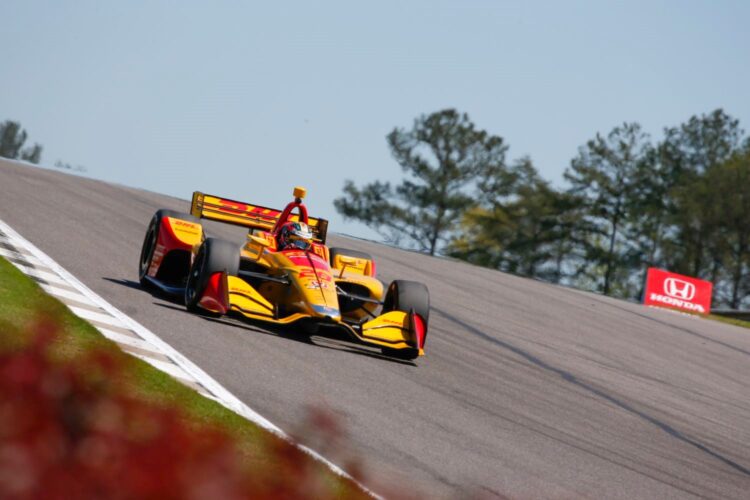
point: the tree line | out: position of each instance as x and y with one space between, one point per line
12 141
627 203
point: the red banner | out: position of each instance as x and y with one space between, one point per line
665 289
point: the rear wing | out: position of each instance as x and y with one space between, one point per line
211 207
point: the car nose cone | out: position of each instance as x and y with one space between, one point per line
330 313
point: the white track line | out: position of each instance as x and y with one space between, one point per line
41 274
126 340
95 316
181 368
166 367
67 294
18 255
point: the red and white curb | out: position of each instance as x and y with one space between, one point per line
128 334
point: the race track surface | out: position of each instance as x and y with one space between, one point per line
528 390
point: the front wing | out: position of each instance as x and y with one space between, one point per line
393 330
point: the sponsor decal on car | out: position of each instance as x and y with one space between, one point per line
309 273
392 322
666 289
316 285
330 311
182 223
184 229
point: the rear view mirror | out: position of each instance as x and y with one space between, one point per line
263 242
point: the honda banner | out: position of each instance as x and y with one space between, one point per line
665 289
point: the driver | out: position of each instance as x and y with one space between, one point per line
295 235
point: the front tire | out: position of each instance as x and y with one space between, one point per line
152 235
406 296
214 256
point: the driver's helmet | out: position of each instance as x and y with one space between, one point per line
295 235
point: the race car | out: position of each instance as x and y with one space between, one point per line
265 278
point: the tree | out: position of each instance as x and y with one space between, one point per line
519 225
444 156
646 222
729 186
12 139
687 153
604 175
486 227
32 154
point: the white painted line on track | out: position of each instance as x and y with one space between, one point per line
169 368
10 254
95 316
67 294
33 262
125 339
43 275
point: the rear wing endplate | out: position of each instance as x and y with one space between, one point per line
211 207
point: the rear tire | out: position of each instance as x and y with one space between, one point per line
406 296
152 234
214 256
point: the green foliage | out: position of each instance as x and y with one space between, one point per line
724 194
443 156
521 226
681 204
12 140
149 418
729 321
605 174
67 166
689 153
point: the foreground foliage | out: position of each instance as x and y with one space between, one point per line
81 419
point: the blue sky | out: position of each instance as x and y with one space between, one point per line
248 99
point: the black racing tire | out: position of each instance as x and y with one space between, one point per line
404 296
149 240
334 251
214 255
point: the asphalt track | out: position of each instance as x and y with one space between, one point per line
528 390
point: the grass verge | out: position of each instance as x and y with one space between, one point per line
75 347
730 321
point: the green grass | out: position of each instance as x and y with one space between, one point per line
730 321
23 303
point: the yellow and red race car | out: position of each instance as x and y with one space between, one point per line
309 284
